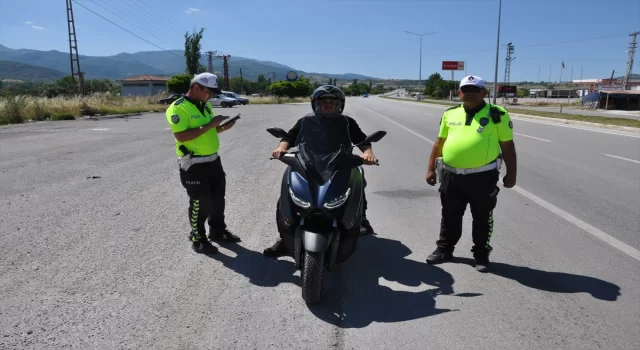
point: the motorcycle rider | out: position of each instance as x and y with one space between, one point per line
327 101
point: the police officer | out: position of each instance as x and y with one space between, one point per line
467 156
196 132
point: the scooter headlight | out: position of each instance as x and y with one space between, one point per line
338 201
299 202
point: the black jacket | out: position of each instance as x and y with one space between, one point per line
355 133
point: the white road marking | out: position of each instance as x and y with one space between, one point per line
537 138
623 158
532 120
100 129
167 128
574 127
400 125
621 246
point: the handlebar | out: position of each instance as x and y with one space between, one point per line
282 155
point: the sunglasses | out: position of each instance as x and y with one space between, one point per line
470 89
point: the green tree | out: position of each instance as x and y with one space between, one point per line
522 92
192 52
179 84
299 88
432 84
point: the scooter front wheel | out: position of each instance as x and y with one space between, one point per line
312 276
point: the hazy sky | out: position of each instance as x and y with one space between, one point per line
336 36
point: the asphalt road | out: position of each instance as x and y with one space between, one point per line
565 109
105 263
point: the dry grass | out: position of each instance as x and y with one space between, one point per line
269 100
18 109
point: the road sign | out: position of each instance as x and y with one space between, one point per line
507 89
292 76
452 65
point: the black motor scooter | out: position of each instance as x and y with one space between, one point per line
320 209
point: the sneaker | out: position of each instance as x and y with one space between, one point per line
218 235
276 250
439 256
482 264
203 246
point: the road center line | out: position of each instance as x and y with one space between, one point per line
537 138
621 246
400 125
623 158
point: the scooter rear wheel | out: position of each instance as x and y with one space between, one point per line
312 277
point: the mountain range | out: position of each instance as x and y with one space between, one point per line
48 65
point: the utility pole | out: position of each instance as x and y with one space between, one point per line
226 71
507 67
631 51
73 51
225 66
420 71
495 75
210 57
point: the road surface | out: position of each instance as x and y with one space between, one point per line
94 250
566 109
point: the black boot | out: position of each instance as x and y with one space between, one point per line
276 250
482 262
200 245
365 228
439 256
218 235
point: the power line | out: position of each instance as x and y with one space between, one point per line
165 18
154 20
126 20
126 30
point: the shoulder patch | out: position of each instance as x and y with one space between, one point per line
179 101
175 119
500 109
511 124
454 107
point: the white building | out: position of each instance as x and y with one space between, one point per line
143 85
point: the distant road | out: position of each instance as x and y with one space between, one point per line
566 109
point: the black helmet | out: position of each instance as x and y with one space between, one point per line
327 91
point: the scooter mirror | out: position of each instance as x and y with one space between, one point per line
277 132
376 136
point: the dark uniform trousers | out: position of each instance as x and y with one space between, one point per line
205 184
480 191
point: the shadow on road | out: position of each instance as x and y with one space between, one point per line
353 296
378 283
253 265
556 282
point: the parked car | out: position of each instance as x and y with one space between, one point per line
169 100
365 94
222 101
233 95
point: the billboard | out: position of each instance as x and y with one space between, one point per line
507 89
452 65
